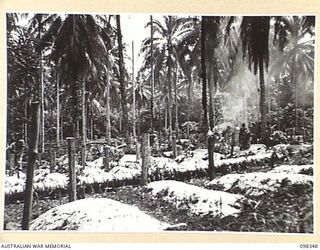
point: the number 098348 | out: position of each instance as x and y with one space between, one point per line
309 246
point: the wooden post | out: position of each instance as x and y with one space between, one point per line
52 160
145 158
211 169
72 169
106 158
32 156
174 145
11 164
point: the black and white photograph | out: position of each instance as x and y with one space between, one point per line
159 123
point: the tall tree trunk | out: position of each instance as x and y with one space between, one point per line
211 95
170 103
245 117
76 127
120 121
176 104
133 95
108 124
139 110
25 125
61 122
88 118
166 116
121 78
278 103
211 168
263 107
84 119
41 90
91 123
152 76
72 185
58 111
204 75
189 105
212 80
269 102
213 86
296 107
32 156
303 108
51 119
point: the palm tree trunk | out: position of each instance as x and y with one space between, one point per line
211 137
170 121
58 111
42 108
61 123
121 77
41 97
108 124
139 110
84 119
133 95
303 125
278 103
170 103
120 121
263 107
51 119
189 104
204 77
211 95
269 102
166 116
245 117
296 107
91 123
25 125
176 105
152 76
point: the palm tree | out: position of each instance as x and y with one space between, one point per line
254 34
188 56
152 73
124 114
294 56
194 57
23 78
210 40
165 54
204 74
141 91
77 51
108 35
255 45
37 26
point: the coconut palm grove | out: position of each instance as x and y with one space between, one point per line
147 123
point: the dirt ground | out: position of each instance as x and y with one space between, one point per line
290 210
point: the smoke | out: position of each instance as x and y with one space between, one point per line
241 98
